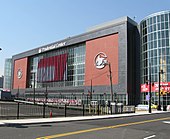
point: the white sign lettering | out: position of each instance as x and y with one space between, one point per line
54 46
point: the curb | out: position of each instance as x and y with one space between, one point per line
17 122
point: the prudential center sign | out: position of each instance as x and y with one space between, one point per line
54 46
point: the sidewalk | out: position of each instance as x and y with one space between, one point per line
68 119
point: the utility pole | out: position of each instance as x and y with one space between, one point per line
150 94
91 90
18 93
34 87
46 94
159 101
111 85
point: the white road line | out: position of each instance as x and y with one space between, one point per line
150 137
167 122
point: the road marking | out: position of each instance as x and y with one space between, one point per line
100 128
150 137
167 122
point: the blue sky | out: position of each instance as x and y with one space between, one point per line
27 24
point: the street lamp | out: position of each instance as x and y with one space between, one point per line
46 94
34 86
150 84
159 103
91 91
33 73
111 85
0 49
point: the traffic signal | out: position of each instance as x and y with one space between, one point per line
161 92
164 92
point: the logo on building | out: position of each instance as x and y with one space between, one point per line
19 74
100 60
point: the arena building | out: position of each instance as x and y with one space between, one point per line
100 64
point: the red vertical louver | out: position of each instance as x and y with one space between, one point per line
52 68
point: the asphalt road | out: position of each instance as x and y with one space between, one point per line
155 126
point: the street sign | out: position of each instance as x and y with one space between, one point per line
147 97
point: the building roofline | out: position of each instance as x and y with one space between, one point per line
155 14
96 28
111 23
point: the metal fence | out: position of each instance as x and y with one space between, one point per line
22 110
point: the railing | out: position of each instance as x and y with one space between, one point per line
23 110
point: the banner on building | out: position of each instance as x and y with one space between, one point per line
165 86
52 69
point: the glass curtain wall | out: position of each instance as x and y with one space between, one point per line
155 50
58 68
7 73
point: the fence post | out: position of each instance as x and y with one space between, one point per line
65 110
44 110
83 109
98 109
18 111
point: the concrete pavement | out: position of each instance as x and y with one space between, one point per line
68 119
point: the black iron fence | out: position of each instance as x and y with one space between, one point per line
22 110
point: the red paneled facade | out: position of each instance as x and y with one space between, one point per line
20 73
109 46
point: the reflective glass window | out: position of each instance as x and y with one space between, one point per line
154 27
150 21
162 18
163 34
158 18
154 19
167 34
159 26
166 25
163 43
162 26
167 42
166 17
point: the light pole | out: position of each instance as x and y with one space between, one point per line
0 49
159 103
91 91
34 86
150 94
111 85
46 94
33 73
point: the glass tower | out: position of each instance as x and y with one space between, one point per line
7 73
155 51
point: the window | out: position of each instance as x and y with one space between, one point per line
75 65
162 18
166 17
166 25
162 25
158 18
154 19
167 34
167 42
